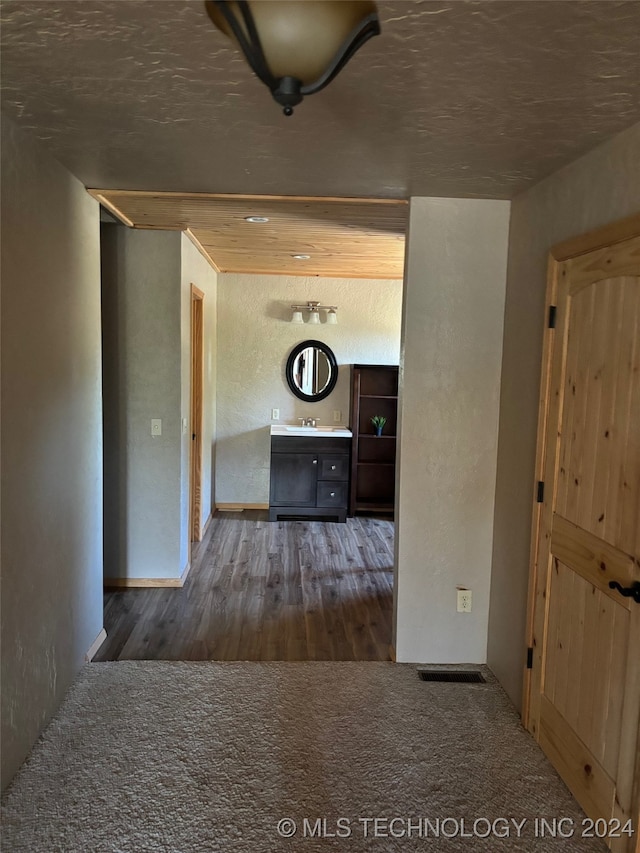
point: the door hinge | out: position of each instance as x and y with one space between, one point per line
552 316
540 494
530 658
193 436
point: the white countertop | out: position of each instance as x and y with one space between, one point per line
311 432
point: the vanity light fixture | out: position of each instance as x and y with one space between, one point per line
313 316
256 219
297 47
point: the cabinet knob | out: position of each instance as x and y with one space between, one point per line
333 467
333 494
315 461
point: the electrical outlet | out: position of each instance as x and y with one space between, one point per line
337 416
156 426
464 601
275 414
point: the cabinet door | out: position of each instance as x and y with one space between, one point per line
293 479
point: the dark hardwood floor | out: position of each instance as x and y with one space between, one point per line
260 590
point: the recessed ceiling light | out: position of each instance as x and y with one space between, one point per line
256 219
301 257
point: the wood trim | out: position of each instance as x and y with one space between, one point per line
192 237
599 238
97 193
351 275
628 803
197 391
92 651
135 583
549 460
392 653
238 507
543 412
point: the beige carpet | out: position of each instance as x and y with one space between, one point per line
194 757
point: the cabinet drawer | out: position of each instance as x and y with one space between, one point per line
332 494
333 467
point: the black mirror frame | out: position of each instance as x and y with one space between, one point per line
333 364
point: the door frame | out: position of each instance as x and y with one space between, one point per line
196 405
539 576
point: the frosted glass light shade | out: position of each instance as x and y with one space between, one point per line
332 317
296 47
314 318
297 317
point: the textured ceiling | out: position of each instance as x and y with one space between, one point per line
455 98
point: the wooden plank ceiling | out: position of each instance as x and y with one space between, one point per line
345 238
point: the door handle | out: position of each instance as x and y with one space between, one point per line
632 591
315 461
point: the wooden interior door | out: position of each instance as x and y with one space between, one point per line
584 690
197 366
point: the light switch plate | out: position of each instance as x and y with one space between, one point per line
275 414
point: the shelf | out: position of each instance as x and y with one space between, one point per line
374 506
370 435
378 396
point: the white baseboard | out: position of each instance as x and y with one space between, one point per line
93 648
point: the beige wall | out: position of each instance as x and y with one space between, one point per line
141 336
450 381
196 270
599 188
255 338
51 438
147 278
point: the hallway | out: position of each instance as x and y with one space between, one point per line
260 590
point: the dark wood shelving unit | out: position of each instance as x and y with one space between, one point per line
374 391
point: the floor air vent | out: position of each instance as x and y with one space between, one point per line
459 675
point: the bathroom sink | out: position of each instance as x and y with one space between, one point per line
337 431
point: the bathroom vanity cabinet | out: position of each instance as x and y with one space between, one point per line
309 477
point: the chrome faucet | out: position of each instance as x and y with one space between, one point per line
311 422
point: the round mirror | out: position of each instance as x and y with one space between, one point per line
312 371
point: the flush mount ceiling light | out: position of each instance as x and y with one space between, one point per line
300 257
296 47
256 219
313 316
